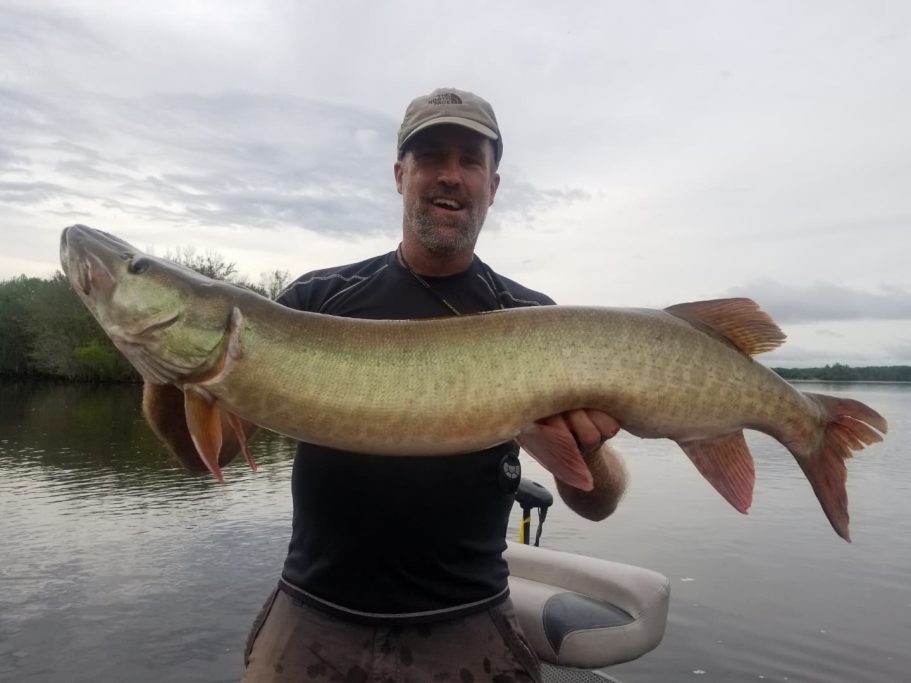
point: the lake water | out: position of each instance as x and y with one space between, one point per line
116 565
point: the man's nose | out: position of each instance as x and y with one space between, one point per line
450 172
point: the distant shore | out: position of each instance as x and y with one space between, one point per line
892 374
846 381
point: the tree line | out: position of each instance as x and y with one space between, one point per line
46 331
846 373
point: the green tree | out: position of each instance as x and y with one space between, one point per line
101 361
14 338
846 373
65 341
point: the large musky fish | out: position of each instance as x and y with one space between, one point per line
453 385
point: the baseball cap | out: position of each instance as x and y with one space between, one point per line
448 105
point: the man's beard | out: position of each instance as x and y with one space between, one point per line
446 235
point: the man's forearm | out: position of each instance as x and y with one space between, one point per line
609 483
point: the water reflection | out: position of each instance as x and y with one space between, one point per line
118 565
85 432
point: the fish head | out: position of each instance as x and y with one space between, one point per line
169 321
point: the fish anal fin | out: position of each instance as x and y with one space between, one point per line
204 423
726 463
740 321
556 449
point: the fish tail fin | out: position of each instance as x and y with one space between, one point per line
849 426
556 449
726 463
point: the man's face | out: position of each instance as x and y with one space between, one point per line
447 181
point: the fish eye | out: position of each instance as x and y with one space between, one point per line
138 265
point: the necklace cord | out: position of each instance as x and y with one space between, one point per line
424 282
489 278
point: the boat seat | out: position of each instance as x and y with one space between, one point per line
585 612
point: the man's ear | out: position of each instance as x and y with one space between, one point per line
398 176
494 184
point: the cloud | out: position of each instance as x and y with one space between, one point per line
798 354
76 114
230 159
27 28
824 301
829 333
86 169
30 193
11 160
522 201
901 350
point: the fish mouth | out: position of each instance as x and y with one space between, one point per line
87 255
64 253
91 275
140 349
141 337
152 366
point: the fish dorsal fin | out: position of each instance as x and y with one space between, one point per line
739 321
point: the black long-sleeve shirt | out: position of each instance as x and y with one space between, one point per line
386 538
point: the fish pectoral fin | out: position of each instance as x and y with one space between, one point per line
204 423
556 449
238 429
739 321
726 463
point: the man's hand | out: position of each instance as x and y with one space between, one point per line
590 428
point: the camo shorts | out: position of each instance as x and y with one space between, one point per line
292 642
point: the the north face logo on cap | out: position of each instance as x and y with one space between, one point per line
445 98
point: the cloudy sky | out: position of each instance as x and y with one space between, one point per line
655 152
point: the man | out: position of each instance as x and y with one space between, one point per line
394 570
